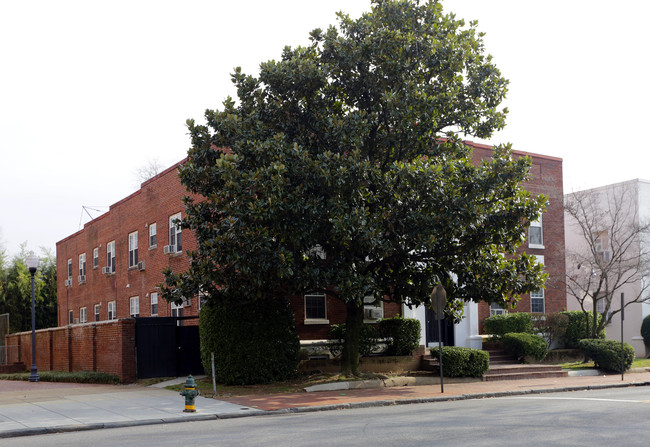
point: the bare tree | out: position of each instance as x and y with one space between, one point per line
150 169
611 252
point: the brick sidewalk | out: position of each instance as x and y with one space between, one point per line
273 402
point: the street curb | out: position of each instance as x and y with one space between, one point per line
311 409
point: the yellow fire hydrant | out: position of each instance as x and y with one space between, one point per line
190 392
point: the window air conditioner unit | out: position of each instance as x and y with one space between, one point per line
141 265
82 278
373 314
68 283
106 270
169 249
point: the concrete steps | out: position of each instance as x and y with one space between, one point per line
522 371
504 366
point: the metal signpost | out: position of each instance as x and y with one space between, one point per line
439 299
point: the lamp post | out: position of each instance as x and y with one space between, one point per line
32 264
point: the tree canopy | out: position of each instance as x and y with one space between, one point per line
343 172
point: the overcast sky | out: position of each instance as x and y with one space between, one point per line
91 90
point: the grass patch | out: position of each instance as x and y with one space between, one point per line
573 366
70 377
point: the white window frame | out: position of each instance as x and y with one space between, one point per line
536 226
133 249
134 306
538 295
154 302
70 317
70 269
82 268
175 232
110 256
497 309
315 319
368 305
153 235
112 311
95 257
83 315
97 309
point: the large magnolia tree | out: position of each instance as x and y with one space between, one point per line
343 173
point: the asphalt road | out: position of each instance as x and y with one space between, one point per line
611 417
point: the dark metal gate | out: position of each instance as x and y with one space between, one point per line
167 348
431 329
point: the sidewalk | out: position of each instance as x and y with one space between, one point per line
46 407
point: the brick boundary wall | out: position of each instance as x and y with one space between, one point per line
105 346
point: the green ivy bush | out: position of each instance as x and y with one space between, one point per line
645 331
252 343
401 334
578 328
368 339
525 345
462 362
499 325
606 354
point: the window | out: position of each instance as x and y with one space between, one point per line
97 306
70 317
95 257
601 245
134 306
537 301
175 236
152 235
315 309
537 297
373 310
70 269
154 304
177 311
82 315
110 257
133 249
82 268
111 310
496 309
535 234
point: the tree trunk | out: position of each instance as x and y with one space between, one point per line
350 356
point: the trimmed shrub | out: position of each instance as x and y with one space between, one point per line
606 354
402 335
252 342
368 339
499 325
645 331
462 362
578 328
525 346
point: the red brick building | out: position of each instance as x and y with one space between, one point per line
112 268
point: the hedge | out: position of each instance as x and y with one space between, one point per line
525 346
606 354
401 334
252 342
577 328
499 325
462 362
645 330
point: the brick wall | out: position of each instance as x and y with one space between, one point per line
107 347
546 178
